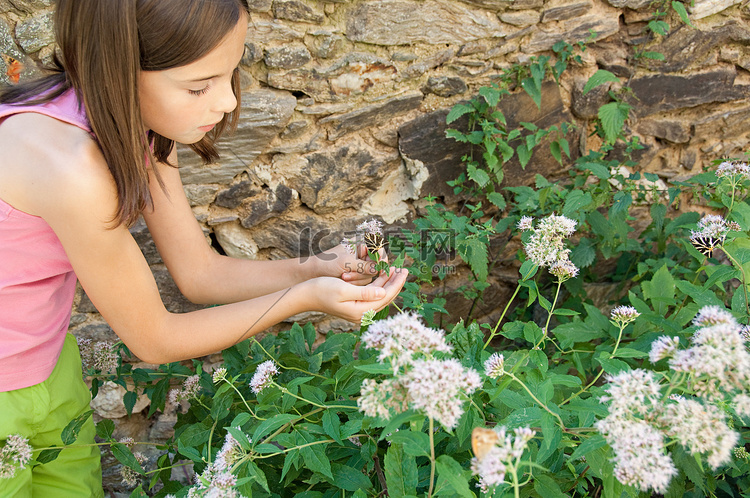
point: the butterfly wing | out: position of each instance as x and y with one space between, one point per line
374 241
14 67
705 245
482 441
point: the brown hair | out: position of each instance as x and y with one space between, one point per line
103 46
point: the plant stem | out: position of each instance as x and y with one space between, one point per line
744 278
286 391
243 400
562 425
432 458
549 315
494 330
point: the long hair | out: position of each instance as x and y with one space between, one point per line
104 44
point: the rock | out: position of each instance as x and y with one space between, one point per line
587 106
398 22
341 124
308 81
341 178
287 56
294 10
294 129
297 234
685 46
358 76
405 183
236 241
260 5
265 113
271 32
268 203
526 4
200 195
326 109
723 124
253 53
677 132
419 68
489 4
423 139
563 12
571 31
324 44
630 4
664 92
520 18
705 8
233 196
109 404
29 6
445 86
36 32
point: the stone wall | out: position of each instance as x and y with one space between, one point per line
344 107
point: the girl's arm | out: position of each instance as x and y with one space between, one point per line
77 197
206 277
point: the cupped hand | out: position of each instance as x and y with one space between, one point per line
357 269
348 301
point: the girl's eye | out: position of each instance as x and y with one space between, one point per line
202 91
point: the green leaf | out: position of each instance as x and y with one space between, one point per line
315 458
375 368
129 399
587 446
270 425
600 77
612 117
679 7
415 443
348 478
258 475
48 455
660 290
332 425
534 89
105 428
335 343
584 253
497 199
240 436
474 252
123 455
547 487
71 431
479 176
612 366
457 111
400 472
452 475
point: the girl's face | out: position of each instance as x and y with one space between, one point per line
184 103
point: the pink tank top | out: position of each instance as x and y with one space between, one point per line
37 283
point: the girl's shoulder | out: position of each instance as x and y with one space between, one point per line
45 160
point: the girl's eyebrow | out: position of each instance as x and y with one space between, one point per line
197 80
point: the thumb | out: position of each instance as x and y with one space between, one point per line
369 293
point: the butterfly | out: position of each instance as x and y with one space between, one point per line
374 241
705 244
13 71
482 441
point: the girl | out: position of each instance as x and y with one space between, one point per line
86 150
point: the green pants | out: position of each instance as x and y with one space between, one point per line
40 413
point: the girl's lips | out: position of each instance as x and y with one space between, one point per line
207 128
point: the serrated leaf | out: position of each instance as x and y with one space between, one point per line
478 175
105 428
497 199
474 252
400 472
316 460
457 111
600 77
612 117
679 7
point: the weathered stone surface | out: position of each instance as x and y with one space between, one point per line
299 234
29 5
663 92
265 113
723 124
374 114
308 81
398 22
419 68
685 45
675 131
405 183
572 30
96 332
445 86
294 10
324 44
587 106
266 204
233 196
520 18
287 57
294 129
200 195
526 4
705 8
236 241
630 4
563 12
260 5
326 109
423 139
271 32
489 4
360 76
341 178
108 402
36 32
253 53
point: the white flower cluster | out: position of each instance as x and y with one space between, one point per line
217 480
623 315
367 228
99 355
717 361
402 336
494 367
433 386
729 169
190 389
715 227
14 455
641 422
129 476
492 467
263 376
546 246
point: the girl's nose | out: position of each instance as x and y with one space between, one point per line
226 101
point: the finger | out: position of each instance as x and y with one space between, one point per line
370 293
